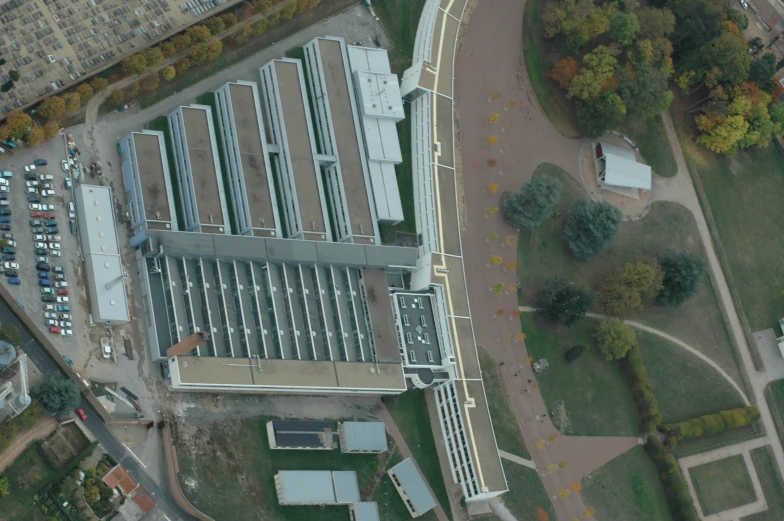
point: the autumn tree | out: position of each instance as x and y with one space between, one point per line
655 22
288 11
99 84
599 68
261 6
72 102
591 227
727 56
534 203
17 124
629 288
117 97
182 65
565 71
168 49
51 128
259 27
214 49
52 107
215 25
614 338
168 73
34 137
303 6
85 91
135 64
578 21
242 35
150 82
562 301
181 42
683 274
721 133
229 20
153 56
198 34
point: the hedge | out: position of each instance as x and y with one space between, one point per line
712 423
574 352
678 497
642 391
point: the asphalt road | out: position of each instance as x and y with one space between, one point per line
107 440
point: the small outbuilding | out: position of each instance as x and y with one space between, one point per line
365 511
362 437
411 487
316 487
302 434
617 170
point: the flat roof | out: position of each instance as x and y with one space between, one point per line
346 129
152 175
486 457
99 234
306 486
298 136
112 302
201 146
252 156
414 486
305 433
369 436
346 487
421 321
380 309
235 373
365 511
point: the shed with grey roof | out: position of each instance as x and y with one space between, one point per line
365 511
359 437
411 487
346 487
305 487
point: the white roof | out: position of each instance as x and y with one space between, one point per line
386 194
379 95
622 169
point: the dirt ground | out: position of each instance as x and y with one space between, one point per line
42 428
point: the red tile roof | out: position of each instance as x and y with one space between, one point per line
117 477
143 499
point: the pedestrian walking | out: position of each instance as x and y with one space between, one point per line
517 373
529 381
528 390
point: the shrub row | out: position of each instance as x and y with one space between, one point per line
712 423
678 497
642 391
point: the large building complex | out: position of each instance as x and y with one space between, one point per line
150 201
198 171
101 251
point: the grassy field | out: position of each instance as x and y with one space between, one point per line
742 194
722 485
651 139
684 386
667 228
507 433
161 123
774 393
538 63
587 397
526 493
628 487
236 481
25 477
772 487
400 19
409 410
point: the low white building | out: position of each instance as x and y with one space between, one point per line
617 170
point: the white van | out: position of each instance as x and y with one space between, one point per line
71 210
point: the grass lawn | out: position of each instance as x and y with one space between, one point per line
685 387
743 193
772 487
774 394
651 139
526 493
667 228
539 62
587 397
235 481
628 487
507 433
161 123
409 410
25 476
722 485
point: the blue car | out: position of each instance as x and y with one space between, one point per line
14 281
63 308
45 283
43 275
5 219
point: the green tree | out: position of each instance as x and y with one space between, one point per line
135 64
655 22
595 117
763 68
242 35
288 11
51 128
599 68
624 28
563 301
739 18
259 27
168 49
52 107
578 21
645 92
181 42
629 288
4 492
229 20
614 338
215 25
169 73
153 56
58 395
534 203
574 352
214 49
17 124
91 494
73 102
683 273
99 84
591 227
198 34
728 57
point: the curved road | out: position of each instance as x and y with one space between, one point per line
107 440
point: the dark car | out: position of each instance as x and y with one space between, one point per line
48 222
40 251
43 275
46 283
73 227
8 249
33 198
5 211
8 257
40 162
15 281
51 230
42 266
5 219
5 227
31 177
3 197
49 298
11 273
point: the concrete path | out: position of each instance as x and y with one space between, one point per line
400 441
497 504
40 429
517 459
681 190
676 341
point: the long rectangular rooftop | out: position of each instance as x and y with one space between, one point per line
206 182
306 171
253 160
153 172
346 134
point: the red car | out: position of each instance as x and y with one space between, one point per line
49 215
63 292
54 330
81 414
37 214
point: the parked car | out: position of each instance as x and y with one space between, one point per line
42 266
48 193
41 252
9 249
59 276
73 226
40 245
30 177
64 165
65 323
46 177
51 322
50 314
60 284
15 281
5 212
46 290
56 331
36 222
32 184
51 229
30 168
32 198
68 184
81 414
4 189
53 237
62 300
40 162
48 298
11 265
3 197
5 219
8 257
66 332
50 222
31 190
34 206
55 253
106 350
65 316
54 245
6 173
4 182
63 307
50 215
71 211
39 237
62 292
58 269
49 207
11 273
43 274
7 236
49 307
5 227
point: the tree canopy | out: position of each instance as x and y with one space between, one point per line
591 227
683 274
534 203
135 64
57 395
596 117
629 288
614 338
624 28
562 301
